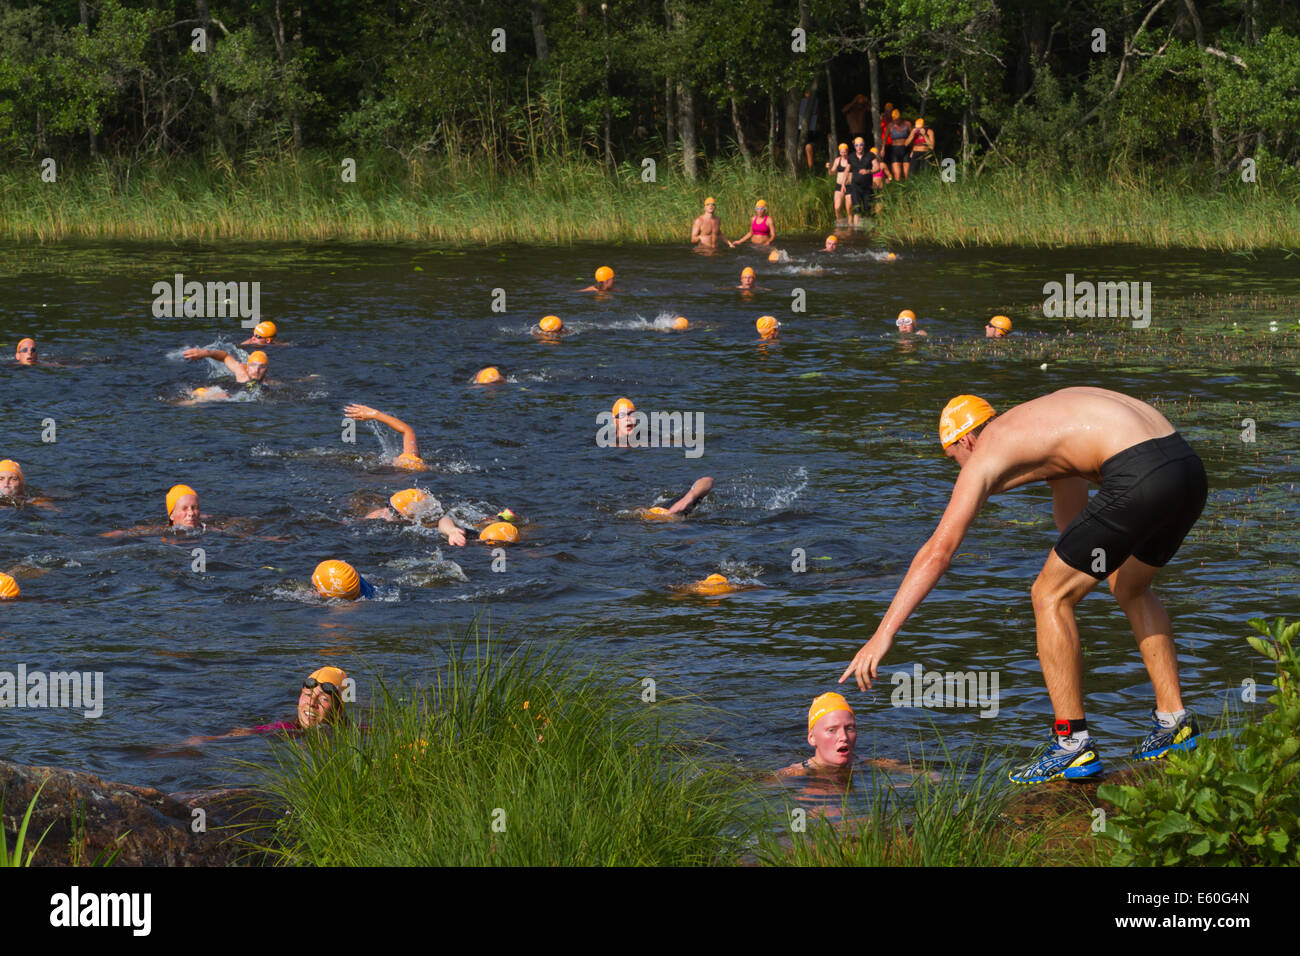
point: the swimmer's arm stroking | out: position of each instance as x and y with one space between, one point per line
235 366
973 487
1069 497
455 535
365 413
689 500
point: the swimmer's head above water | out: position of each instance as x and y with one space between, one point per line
321 700
256 365
768 326
263 334
604 279
338 579
25 353
747 277
408 502
831 243
489 376
9 590
997 327
183 507
12 482
551 325
832 731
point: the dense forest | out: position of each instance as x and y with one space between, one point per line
1002 82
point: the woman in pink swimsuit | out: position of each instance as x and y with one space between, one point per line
761 231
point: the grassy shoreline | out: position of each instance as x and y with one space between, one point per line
305 199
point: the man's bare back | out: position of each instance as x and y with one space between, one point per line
1066 434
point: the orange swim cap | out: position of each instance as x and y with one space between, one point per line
894 114
176 493
844 147
826 704
710 201
767 326
622 406
834 239
1001 322
919 122
963 414
774 255
657 514
604 274
550 324
859 139
409 462
265 329
761 204
329 675
499 532
681 324
257 358
908 315
747 271
489 376
406 502
336 579
9 590
713 584
13 467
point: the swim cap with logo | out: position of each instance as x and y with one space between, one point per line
963 414
330 675
1001 322
9 589
767 326
176 493
12 466
499 532
336 579
407 502
550 323
826 704
265 330
604 274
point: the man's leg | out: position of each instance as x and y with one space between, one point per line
1056 591
1131 585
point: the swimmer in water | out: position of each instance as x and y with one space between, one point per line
410 457
182 504
13 487
319 703
409 506
25 353
550 328
831 244
906 323
604 281
997 327
340 580
682 506
251 374
748 281
263 334
767 326
761 230
9 590
833 735
707 228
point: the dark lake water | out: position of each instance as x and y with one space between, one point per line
824 440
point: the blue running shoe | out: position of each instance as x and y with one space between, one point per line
1057 763
1162 739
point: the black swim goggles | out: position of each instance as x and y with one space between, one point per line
312 683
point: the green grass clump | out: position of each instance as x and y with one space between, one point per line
929 818
1233 801
525 759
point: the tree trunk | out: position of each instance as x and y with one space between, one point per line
791 137
873 81
771 130
669 96
739 130
85 22
1216 133
833 128
686 127
539 33
214 93
609 113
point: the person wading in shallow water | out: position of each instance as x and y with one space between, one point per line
1153 489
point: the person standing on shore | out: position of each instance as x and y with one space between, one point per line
879 176
855 114
1153 489
860 164
896 152
839 169
707 229
920 141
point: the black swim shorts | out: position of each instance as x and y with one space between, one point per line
1151 495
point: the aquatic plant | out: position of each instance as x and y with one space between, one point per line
525 758
15 859
1233 801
